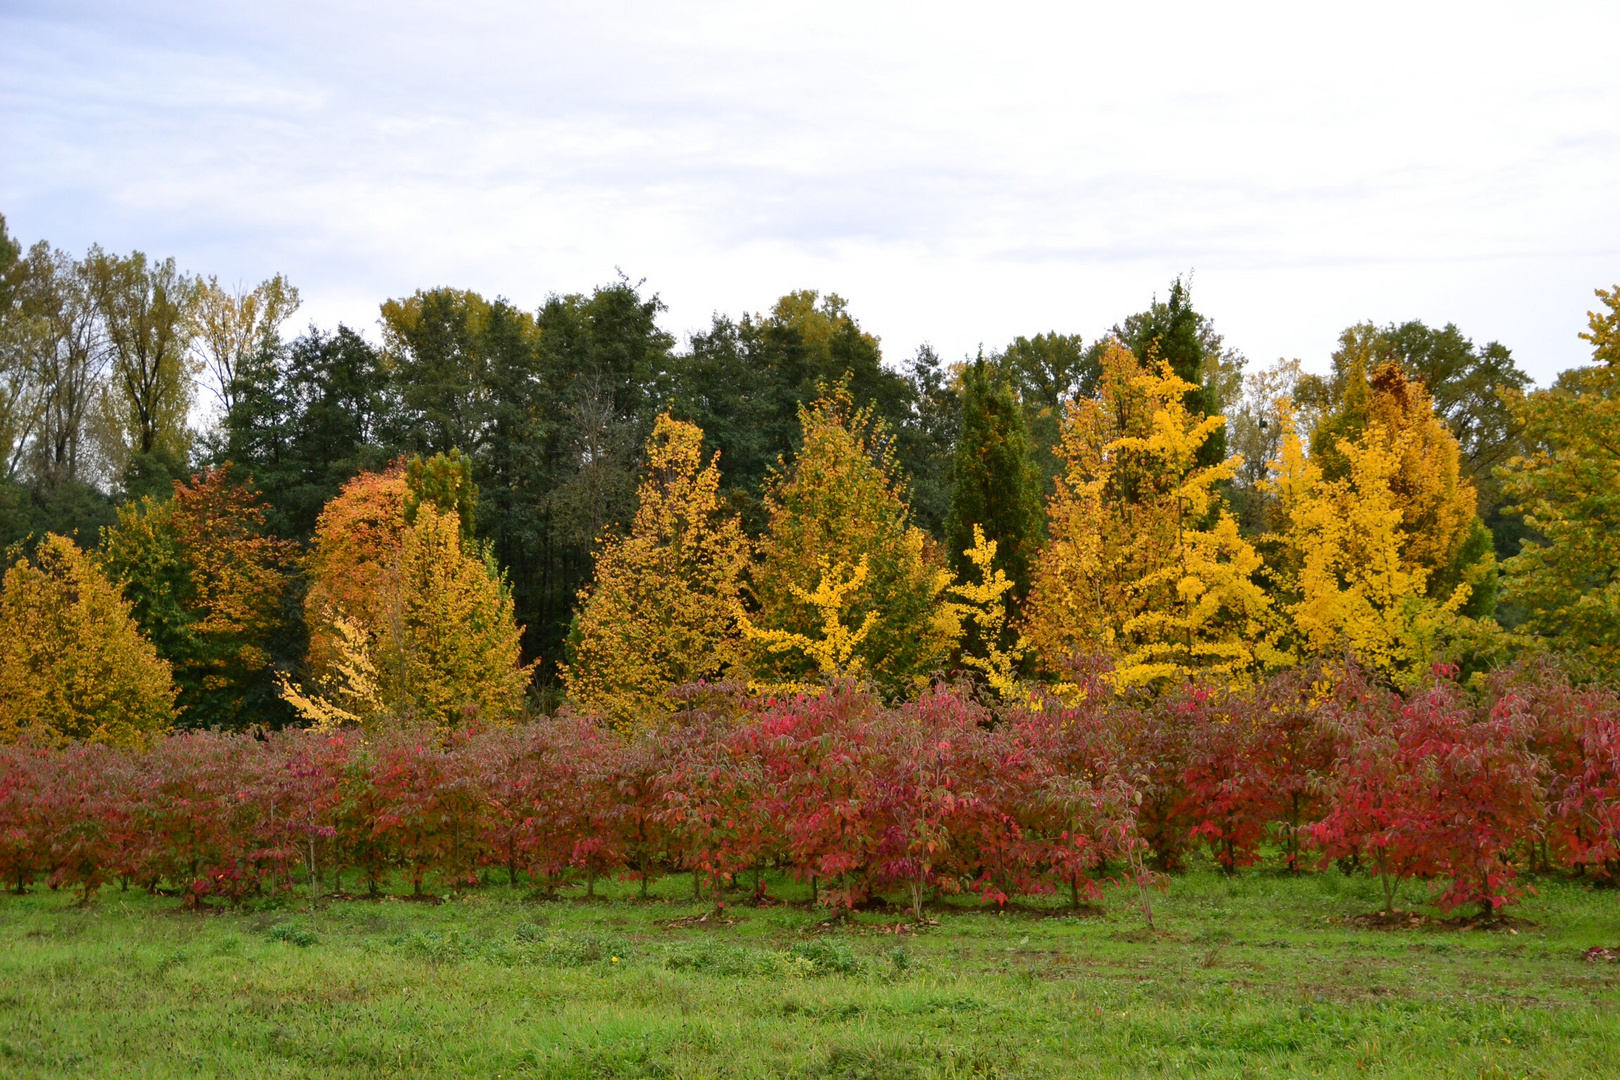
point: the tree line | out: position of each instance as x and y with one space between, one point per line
494 508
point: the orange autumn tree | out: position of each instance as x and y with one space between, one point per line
1143 562
416 620
357 540
206 582
662 609
838 512
73 663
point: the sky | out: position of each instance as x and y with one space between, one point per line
962 174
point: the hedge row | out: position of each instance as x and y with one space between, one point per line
1466 787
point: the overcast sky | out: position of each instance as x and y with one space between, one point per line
962 174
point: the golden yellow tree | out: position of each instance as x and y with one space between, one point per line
662 610
1345 568
1142 562
833 650
357 541
841 503
73 664
438 641
1442 533
1376 547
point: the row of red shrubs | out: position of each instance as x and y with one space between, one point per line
1462 786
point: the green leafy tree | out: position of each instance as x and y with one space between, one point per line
1049 369
1566 577
305 418
744 381
146 309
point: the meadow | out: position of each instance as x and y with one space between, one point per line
1257 974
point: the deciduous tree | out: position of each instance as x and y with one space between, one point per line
841 502
1141 562
1567 487
662 610
73 663
206 584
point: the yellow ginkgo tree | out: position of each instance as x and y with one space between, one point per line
1344 567
841 502
1143 562
833 648
982 605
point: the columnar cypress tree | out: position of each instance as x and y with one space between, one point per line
995 483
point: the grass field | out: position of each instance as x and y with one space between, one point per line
1258 975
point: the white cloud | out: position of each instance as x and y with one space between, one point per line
961 173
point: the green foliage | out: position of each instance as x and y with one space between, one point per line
1566 578
304 419
995 484
1049 369
444 481
743 383
146 308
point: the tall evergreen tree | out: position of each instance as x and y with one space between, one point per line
1173 331
995 483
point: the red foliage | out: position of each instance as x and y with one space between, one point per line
855 796
1431 788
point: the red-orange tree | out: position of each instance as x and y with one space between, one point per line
206 582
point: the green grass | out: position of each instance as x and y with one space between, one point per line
1251 976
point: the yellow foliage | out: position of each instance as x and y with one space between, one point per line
73 664
834 652
1347 555
1142 562
349 692
841 504
1566 577
357 542
441 643
985 606
662 610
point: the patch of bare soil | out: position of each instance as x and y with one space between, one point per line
1413 920
709 919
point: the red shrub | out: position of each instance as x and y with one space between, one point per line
1430 788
